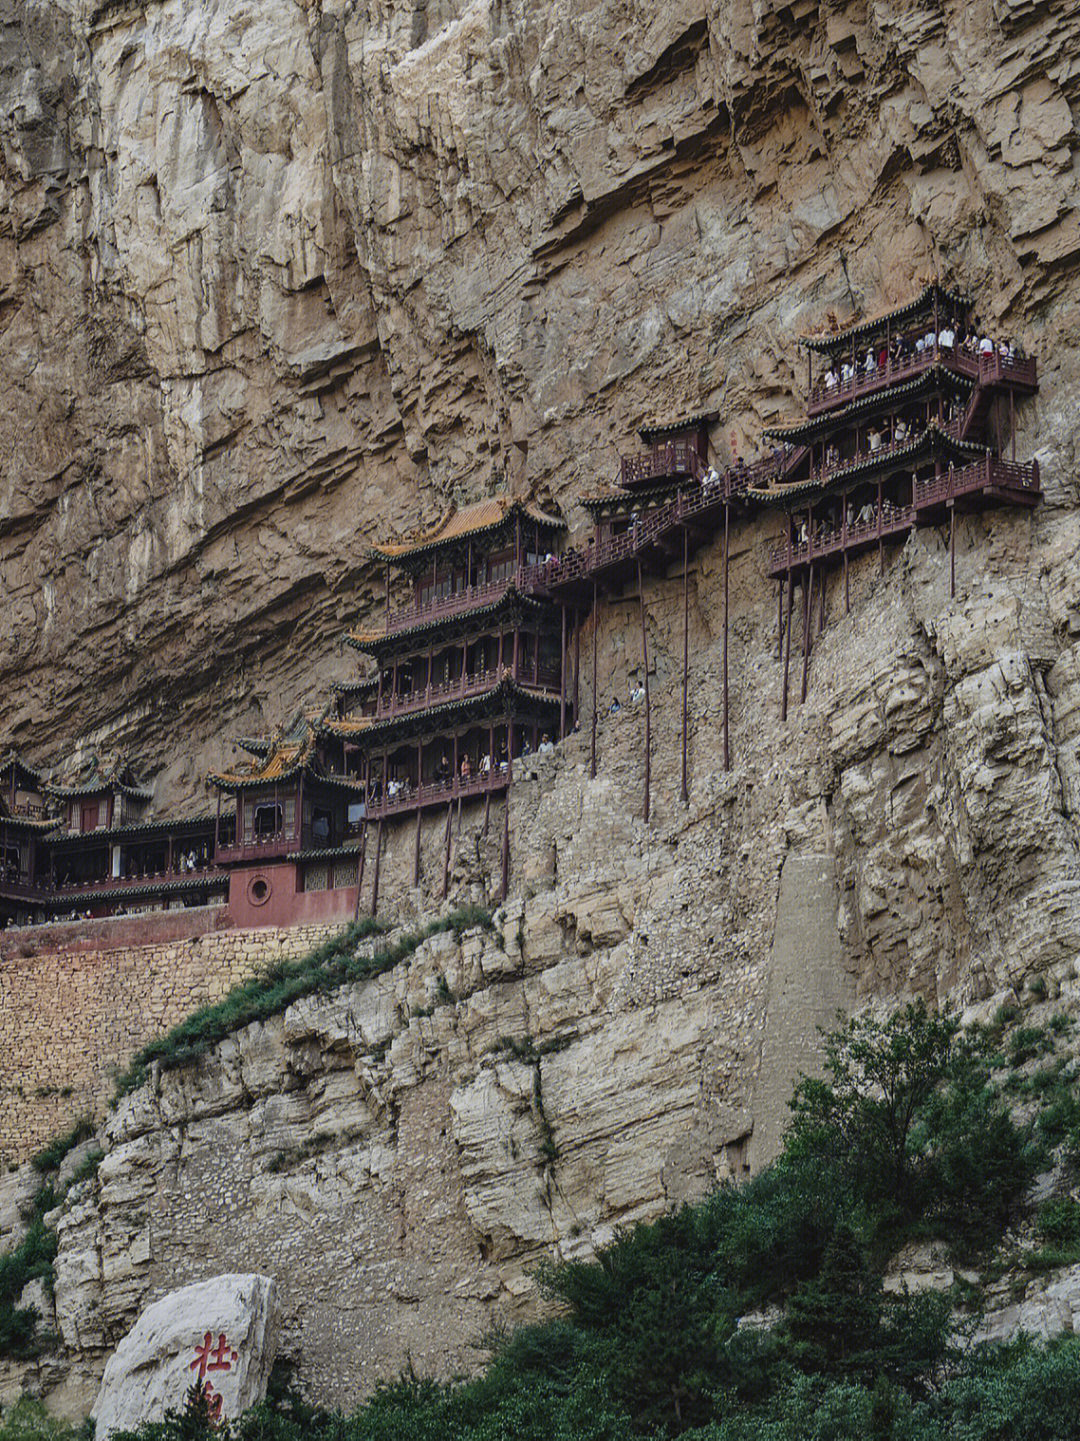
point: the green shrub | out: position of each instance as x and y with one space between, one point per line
50 1158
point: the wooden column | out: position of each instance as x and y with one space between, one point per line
505 888
847 592
562 678
686 651
727 557
577 665
808 608
880 542
821 586
648 717
595 628
446 856
952 548
787 639
1012 422
378 858
360 867
217 826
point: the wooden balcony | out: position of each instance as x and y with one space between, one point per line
990 480
545 677
663 462
73 889
439 793
259 850
20 888
986 370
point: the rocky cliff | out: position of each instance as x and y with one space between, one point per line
277 276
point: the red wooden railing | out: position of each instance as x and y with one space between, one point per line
146 882
993 369
475 683
677 457
983 475
262 849
438 793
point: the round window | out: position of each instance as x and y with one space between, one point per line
258 890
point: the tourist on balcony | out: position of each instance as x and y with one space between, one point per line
465 769
832 457
883 358
546 745
832 380
803 533
947 339
614 708
485 763
637 695
986 346
847 373
504 759
870 364
873 439
442 770
900 430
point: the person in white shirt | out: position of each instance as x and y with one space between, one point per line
831 381
546 745
874 438
947 338
847 372
986 346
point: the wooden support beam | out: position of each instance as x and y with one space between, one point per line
595 628
446 856
648 716
787 642
505 888
686 656
952 549
821 586
378 859
808 610
360 867
562 677
727 559
577 665
416 849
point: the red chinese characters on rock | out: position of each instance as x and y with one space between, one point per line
213 1356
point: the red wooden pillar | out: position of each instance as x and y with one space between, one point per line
378 858
808 608
446 855
952 548
727 557
787 637
686 651
360 867
595 628
645 664
562 678
577 664
880 542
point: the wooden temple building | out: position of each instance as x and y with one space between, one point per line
910 417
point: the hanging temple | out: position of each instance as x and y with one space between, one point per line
907 421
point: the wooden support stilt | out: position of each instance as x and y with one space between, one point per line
416 849
577 666
1012 422
780 621
378 858
808 611
487 811
648 715
446 856
685 652
595 628
727 558
360 867
787 643
880 542
821 587
562 676
505 889
847 588
952 549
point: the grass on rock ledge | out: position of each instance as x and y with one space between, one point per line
337 962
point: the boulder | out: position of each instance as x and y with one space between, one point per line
221 1332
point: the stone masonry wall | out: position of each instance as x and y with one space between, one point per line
69 1018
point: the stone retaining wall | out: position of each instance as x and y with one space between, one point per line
70 1017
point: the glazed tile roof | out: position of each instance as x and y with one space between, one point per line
932 438
371 641
476 519
284 759
12 758
429 720
926 380
99 773
649 433
906 311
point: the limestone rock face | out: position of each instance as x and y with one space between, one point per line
220 1332
277 276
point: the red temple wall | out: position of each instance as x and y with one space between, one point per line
282 904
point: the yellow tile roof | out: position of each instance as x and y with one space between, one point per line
457 524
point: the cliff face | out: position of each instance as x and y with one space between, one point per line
277 276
